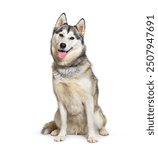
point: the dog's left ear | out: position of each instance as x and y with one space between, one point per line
61 21
81 26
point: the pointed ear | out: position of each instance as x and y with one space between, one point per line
81 26
61 20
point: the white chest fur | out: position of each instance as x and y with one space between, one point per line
72 92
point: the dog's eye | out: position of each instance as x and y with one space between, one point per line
61 35
72 38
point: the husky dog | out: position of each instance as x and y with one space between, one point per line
75 85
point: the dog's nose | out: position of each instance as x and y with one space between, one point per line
62 45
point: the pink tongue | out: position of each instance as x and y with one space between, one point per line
61 54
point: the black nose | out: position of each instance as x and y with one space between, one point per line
62 45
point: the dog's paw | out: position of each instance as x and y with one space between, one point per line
92 139
103 132
55 132
59 138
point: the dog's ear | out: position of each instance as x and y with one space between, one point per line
81 26
61 21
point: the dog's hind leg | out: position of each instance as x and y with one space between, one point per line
49 127
103 132
100 122
55 132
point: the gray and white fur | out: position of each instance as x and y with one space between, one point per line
75 85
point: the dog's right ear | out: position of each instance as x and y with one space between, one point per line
61 21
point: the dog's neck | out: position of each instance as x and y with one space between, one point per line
65 72
76 68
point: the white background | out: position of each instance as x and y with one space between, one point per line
115 39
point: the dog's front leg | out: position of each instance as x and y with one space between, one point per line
63 128
89 106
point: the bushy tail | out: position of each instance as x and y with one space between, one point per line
49 127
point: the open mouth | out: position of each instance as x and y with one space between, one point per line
62 53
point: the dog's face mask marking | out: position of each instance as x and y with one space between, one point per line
67 41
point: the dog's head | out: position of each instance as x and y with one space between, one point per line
67 43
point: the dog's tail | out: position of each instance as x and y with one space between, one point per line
49 127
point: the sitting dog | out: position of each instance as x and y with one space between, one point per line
75 85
